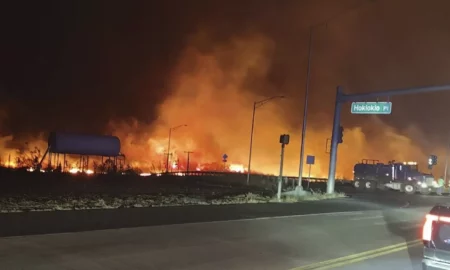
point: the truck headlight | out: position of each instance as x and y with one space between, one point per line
424 185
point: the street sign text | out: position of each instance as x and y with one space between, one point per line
371 107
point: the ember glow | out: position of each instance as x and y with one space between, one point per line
237 168
211 94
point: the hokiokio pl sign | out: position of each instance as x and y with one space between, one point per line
371 107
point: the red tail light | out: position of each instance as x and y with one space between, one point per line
427 227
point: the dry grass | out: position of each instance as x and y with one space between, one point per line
314 196
9 205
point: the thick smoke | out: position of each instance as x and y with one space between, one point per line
218 75
212 96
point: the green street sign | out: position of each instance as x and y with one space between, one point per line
371 107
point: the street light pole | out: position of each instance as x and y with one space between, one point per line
251 143
168 151
446 162
308 79
305 109
168 146
256 105
188 154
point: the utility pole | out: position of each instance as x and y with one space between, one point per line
342 98
168 151
167 161
187 165
168 146
446 162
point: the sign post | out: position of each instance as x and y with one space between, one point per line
284 139
310 160
341 98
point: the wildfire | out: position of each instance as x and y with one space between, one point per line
10 164
215 91
74 170
237 168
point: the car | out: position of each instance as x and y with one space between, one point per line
436 238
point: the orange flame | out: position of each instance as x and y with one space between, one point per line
213 93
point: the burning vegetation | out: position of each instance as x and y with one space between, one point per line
212 94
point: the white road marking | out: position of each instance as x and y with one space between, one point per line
346 213
369 217
382 223
403 227
412 226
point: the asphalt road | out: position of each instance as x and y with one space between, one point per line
84 220
267 243
367 231
410 258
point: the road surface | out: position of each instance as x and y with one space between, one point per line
85 220
364 232
368 231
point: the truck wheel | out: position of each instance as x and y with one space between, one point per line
359 184
370 185
409 188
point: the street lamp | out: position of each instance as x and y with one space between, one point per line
256 105
168 147
308 79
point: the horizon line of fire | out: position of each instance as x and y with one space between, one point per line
83 164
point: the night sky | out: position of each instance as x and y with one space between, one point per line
76 65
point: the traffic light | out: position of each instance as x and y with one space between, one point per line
341 134
432 160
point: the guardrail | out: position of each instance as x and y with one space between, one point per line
224 174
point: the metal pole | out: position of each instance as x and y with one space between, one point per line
187 166
446 163
309 175
305 109
168 151
251 144
280 177
334 141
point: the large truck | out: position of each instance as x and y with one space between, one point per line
405 177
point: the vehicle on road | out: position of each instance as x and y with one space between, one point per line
436 238
405 177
